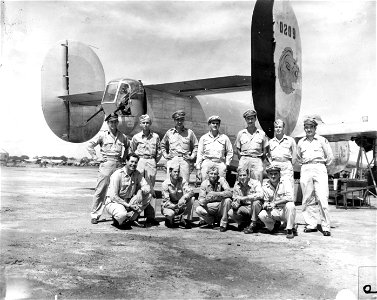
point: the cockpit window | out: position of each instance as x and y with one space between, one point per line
109 96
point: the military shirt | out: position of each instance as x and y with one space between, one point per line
253 187
221 185
282 150
317 150
251 144
216 149
172 193
123 186
179 143
143 145
112 147
283 191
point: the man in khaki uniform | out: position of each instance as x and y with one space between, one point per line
247 196
282 151
278 203
214 199
251 144
314 153
179 145
146 144
214 148
114 147
128 194
177 199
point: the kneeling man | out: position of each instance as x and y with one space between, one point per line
128 194
214 199
177 199
278 205
247 201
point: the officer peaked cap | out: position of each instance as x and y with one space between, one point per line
249 113
213 118
111 117
272 168
178 114
310 121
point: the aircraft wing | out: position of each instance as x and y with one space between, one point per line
87 99
344 131
206 86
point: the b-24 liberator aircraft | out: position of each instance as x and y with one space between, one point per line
75 98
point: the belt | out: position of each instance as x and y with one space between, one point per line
314 163
252 156
281 160
146 156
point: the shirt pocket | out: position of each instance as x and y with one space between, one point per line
118 146
244 140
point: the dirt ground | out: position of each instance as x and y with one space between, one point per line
50 250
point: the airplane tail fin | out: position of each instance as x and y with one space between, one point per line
72 80
275 64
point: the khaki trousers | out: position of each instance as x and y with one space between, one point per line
315 189
215 209
285 214
103 179
122 214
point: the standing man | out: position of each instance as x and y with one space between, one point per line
251 144
146 144
177 198
128 194
314 154
282 151
214 199
247 201
114 147
179 145
214 148
278 205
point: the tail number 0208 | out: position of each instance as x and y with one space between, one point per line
287 30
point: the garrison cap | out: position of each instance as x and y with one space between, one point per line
174 166
272 167
178 114
249 113
112 117
310 121
279 122
213 168
213 118
145 118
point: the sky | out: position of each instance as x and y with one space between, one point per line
166 41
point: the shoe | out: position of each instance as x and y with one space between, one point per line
201 223
136 223
290 234
294 230
250 229
208 226
151 222
94 221
187 224
310 230
276 227
327 233
168 224
242 226
125 225
223 228
115 222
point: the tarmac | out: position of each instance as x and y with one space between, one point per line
49 250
